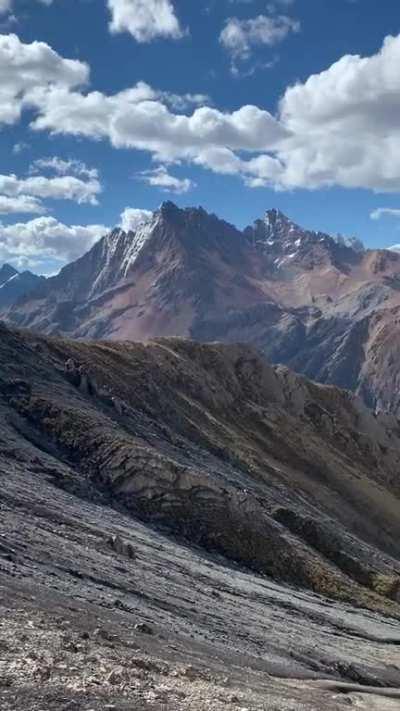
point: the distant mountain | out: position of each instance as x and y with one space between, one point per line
289 246
7 272
14 285
323 305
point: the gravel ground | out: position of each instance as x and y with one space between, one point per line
162 625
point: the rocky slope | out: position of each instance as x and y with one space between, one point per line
282 496
318 304
262 465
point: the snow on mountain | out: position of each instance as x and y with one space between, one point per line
14 285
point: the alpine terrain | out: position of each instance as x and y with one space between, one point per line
185 527
324 306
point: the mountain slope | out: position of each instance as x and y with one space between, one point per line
275 489
305 299
260 464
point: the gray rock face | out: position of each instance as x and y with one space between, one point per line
208 441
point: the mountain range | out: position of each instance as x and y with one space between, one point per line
323 305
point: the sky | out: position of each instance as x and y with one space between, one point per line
110 107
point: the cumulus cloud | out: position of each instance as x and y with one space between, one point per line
340 127
130 121
344 124
161 178
25 68
66 187
132 218
145 20
35 242
239 37
384 211
21 204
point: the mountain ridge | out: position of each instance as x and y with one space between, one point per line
208 439
304 298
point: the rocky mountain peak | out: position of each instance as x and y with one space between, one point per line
289 245
274 229
6 273
173 215
278 225
169 209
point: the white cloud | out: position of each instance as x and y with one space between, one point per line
240 37
26 68
21 204
161 178
36 242
145 20
130 121
340 127
132 218
63 167
383 211
20 147
344 124
66 187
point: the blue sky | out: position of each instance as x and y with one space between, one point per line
77 150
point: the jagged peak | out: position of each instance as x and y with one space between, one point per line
7 272
276 227
8 269
169 209
277 218
168 205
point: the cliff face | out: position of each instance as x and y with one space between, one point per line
317 304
